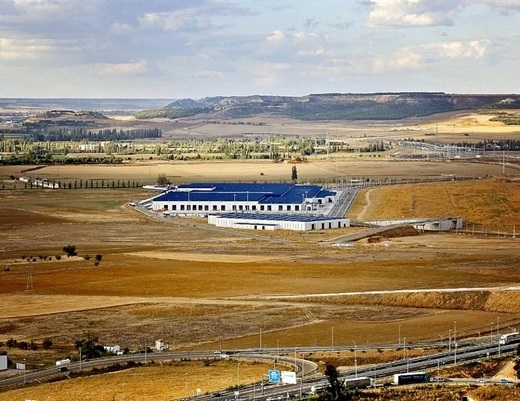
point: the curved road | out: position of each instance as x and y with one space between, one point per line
306 370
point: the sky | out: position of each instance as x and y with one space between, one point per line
176 49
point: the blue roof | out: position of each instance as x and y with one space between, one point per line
262 193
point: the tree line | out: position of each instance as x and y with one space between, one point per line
81 133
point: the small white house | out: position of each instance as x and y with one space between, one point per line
159 345
113 349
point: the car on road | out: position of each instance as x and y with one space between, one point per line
481 380
505 381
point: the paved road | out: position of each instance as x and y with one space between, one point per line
301 366
306 370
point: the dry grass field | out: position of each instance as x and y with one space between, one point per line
198 287
158 382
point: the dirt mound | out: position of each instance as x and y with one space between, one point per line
494 301
403 231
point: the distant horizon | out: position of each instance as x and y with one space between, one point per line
261 94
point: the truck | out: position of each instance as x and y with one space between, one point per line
411 377
508 338
358 382
63 364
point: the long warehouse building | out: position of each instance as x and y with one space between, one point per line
217 198
255 206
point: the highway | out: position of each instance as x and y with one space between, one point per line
307 375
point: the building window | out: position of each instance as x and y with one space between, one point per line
262 208
222 207
188 207
253 207
288 208
214 208
182 207
234 207
240 207
165 207
297 208
313 227
269 208
174 207
206 207
280 207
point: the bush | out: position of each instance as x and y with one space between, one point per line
47 344
70 250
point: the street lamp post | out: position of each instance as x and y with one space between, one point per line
455 332
238 376
355 358
455 350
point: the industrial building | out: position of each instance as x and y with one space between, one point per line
266 198
277 221
255 206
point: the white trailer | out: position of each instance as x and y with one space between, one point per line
3 362
508 338
63 364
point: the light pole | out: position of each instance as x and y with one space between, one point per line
498 326
355 358
455 349
455 332
238 376
295 364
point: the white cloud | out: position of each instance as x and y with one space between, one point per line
277 37
269 73
27 49
136 68
413 13
432 54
